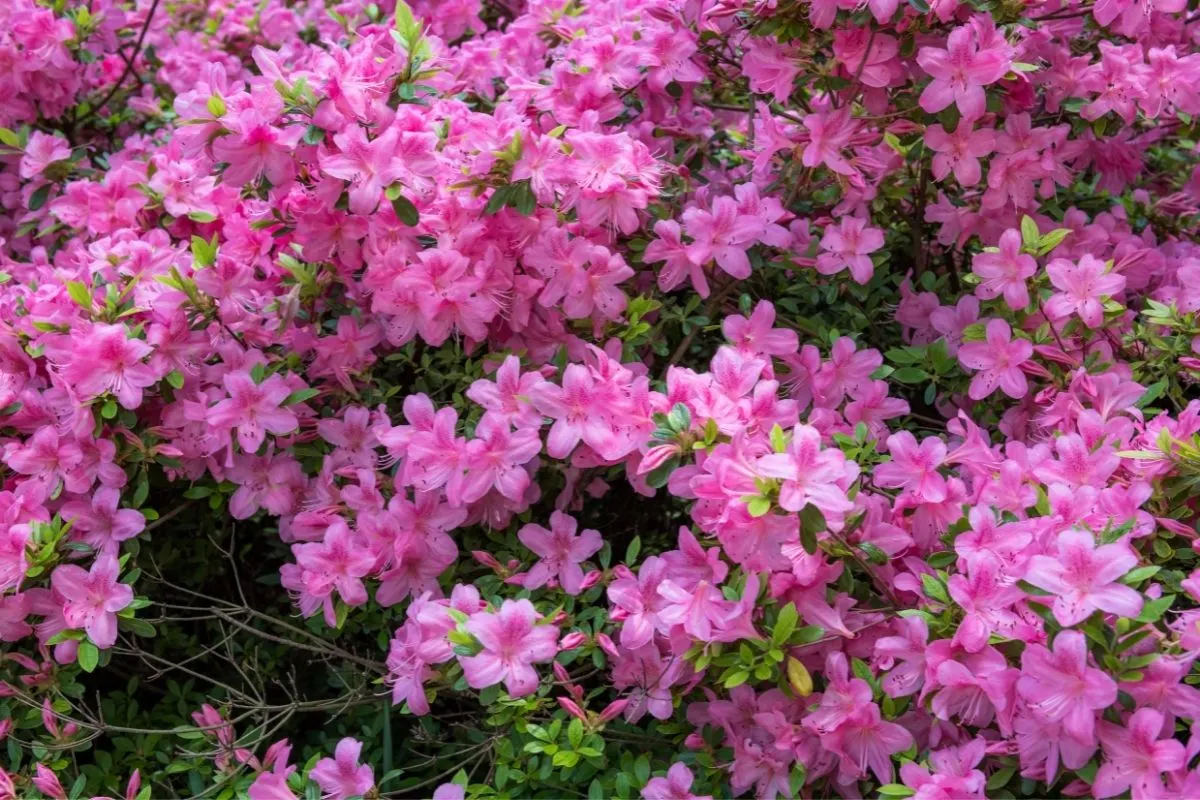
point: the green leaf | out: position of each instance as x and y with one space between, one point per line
812 522
680 418
934 588
1136 576
216 105
10 138
1030 236
300 396
785 624
631 552
523 199
807 634
758 506
201 216
498 200
39 197
1152 393
175 379
895 789
1000 777
406 212
80 293
88 655
910 375
1153 611
1051 240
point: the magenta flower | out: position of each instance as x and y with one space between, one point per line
1082 288
998 360
829 134
1061 687
342 776
254 409
561 552
1136 757
254 147
810 474
959 152
1005 272
1083 578
866 740
91 599
960 72
914 467
513 640
848 246
103 524
723 234
104 359
677 785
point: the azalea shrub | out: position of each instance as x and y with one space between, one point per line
599 398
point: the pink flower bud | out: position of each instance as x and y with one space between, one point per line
134 786
560 618
571 708
694 741
47 783
485 558
559 670
606 644
613 710
49 721
573 640
6 689
590 580
657 456
6 727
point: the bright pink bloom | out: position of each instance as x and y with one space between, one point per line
104 359
676 786
849 246
254 409
998 360
1083 578
1005 272
914 467
91 599
866 741
829 134
560 550
1061 687
342 776
1082 287
1135 756
959 151
960 72
513 640
810 474
723 234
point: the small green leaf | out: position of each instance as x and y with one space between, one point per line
631 552
80 293
1030 236
934 588
88 655
39 197
406 212
758 506
785 624
300 396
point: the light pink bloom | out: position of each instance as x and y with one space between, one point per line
254 409
914 467
810 474
960 72
676 786
959 151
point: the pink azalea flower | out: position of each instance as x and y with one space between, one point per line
914 467
677 785
1082 287
342 776
810 474
513 640
103 524
1135 757
723 234
92 598
104 359
1083 578
1061 687
1005 272
960 72
998 361
829 134
561 552
848 246
959 151
253 409
866 741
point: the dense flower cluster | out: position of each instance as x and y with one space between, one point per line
882 317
